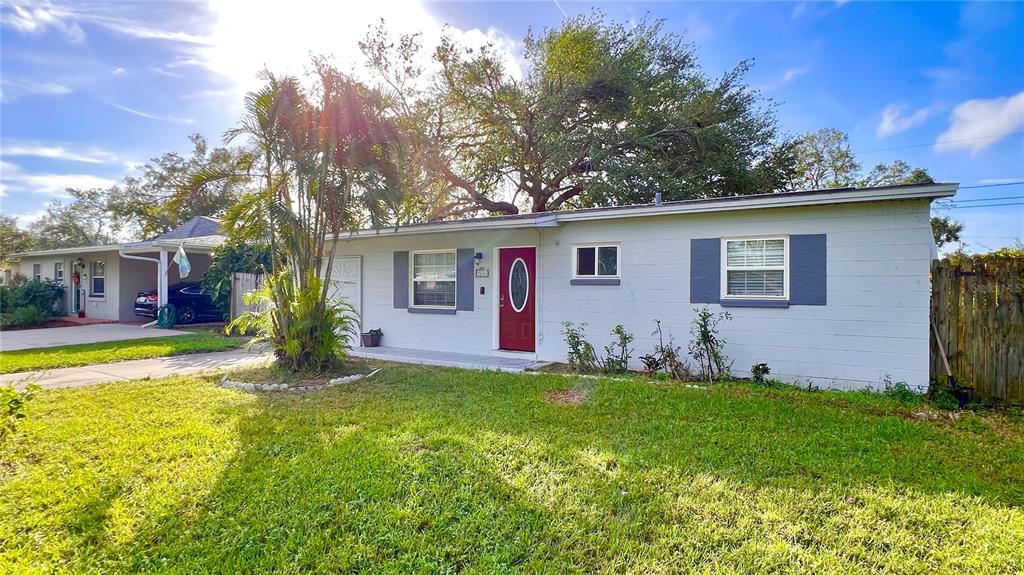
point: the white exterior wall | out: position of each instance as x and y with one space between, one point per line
466 331
124 279
874 326
105 307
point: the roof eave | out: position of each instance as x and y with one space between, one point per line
732 203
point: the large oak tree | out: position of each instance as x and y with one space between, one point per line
605 114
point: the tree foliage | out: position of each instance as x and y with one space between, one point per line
323 161
13 239
946 230
84 221
824 160
234 255
160 198
607 113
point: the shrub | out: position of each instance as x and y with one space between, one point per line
759 373
707 347
900 392
946 400
234 255
312 336
582 356
46 295
665 357
12 404
617 353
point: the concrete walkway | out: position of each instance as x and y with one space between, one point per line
135 369
54 336
511 364
200 362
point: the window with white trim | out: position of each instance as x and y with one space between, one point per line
37 271
596 261
433 279
755 268
58 272
97 278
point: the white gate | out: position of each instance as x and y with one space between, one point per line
242 284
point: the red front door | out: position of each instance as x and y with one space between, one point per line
517 277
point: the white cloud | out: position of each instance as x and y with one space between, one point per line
12 89
787 76
978 124
24 220
59 151
245 40
117 71
16 180
151 116
895 120
39 16
238 38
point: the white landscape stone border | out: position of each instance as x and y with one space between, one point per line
243 386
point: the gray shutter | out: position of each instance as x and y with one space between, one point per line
705 270
401 280
807 269
464 279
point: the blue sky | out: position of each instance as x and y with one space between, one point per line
90 89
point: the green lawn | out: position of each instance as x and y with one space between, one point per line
438 470
201 340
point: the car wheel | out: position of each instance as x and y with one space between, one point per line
186 315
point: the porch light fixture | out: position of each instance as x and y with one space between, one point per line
80 263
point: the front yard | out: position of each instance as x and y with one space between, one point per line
201 340
437 470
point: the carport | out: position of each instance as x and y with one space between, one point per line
151 263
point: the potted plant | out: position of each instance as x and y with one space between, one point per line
372 338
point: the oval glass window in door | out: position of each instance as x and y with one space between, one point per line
518 285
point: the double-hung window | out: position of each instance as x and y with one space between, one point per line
433 279
37 271
755 268
596 261
58 272
97 278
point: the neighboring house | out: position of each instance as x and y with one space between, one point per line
829 287
103 281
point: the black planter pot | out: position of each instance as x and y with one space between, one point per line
371 339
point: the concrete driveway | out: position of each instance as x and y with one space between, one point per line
54 336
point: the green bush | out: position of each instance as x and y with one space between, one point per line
946 400
901 392
46 295
232 256
12 407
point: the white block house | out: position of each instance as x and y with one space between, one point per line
103 281
829 287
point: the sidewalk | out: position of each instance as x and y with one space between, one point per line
135 369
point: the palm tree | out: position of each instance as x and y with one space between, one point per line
327 162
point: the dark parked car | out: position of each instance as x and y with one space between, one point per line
188 299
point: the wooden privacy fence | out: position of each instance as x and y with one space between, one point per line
978 314
242 284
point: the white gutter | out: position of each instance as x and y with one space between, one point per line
733 203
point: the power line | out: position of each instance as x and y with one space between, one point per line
937 143
985 206
952 201
992 185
